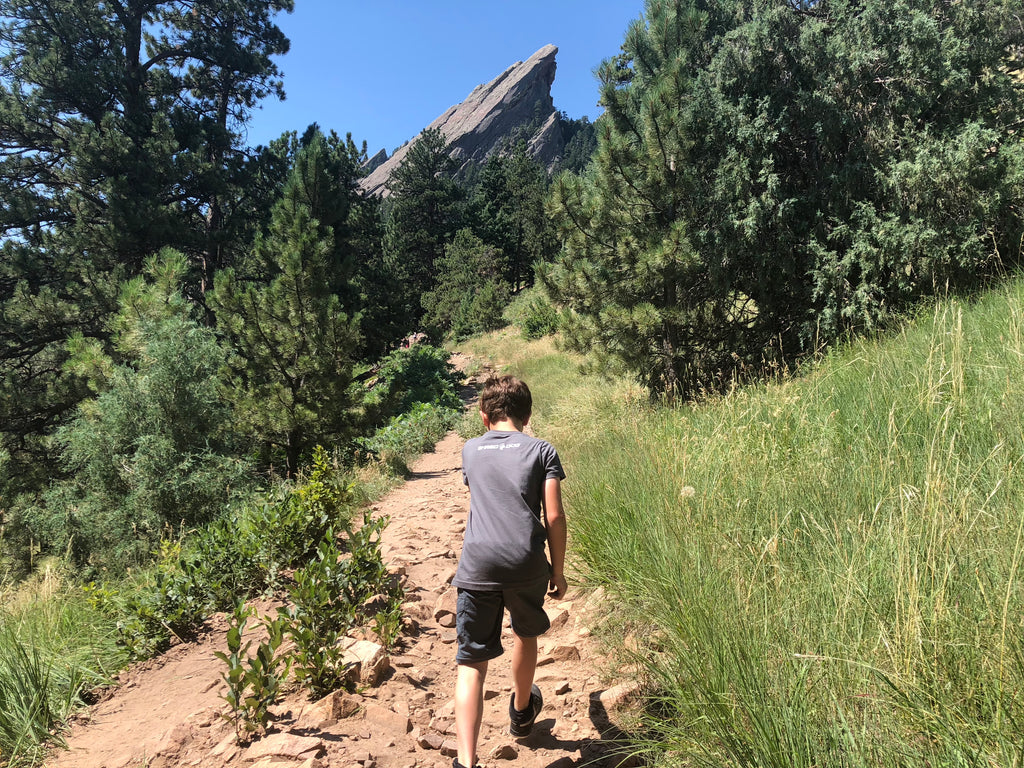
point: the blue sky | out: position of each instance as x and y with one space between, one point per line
384 69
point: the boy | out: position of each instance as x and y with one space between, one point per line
515 508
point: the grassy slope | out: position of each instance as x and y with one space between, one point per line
829 565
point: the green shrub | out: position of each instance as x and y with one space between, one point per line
409 435
153 451
254 681
533 313
420 373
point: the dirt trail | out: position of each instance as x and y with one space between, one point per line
166 712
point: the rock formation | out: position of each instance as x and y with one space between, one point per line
515 105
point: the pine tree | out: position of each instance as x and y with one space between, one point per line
471 290
293 342
425 210
772 175
119 131
509 213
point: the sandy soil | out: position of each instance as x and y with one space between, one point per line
167 712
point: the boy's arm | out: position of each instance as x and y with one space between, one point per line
554 520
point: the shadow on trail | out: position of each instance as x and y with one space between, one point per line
612 750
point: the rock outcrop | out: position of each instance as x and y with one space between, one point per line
515 105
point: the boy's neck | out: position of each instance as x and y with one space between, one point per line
504 425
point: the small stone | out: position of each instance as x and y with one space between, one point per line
338 706
562 688
615 696
385 718
370 659
504 752
226 749
445 605
565 653
449 748
558 618
288 745
430 740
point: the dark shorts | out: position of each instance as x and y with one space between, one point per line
479 614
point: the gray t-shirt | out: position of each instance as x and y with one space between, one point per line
505 540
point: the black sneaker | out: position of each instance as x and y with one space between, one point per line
457 764
522 721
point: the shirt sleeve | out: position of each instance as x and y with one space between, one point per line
552 464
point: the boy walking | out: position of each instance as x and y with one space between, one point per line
515 512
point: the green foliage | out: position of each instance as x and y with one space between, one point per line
425 210
508 215
120 137
470 424
819 571
471 291
533 313
419 373
330 596
770 176
409 435
241 554
292 337
318 619
54 647
153 450
580 140
254 681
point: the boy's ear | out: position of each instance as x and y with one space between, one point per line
487 421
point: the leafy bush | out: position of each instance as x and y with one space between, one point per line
420 373
409 435
237 556
332 594
254 681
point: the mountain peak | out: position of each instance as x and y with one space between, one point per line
515 104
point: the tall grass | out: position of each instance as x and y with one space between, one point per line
53 647
827 568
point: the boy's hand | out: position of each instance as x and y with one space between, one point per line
557 587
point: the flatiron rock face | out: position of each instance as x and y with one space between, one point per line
516 104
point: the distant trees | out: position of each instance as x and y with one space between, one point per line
471 290
426 209
508 213
770 175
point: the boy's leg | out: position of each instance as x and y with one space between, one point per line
524 667
469 709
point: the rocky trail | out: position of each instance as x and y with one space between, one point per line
167 712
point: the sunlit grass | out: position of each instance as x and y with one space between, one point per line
829 564
54 646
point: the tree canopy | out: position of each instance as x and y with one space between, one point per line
771 175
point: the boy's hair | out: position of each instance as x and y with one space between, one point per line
506 397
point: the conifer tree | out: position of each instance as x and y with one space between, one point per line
292 340
471 291
771 175
425 212
509 210
119 135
